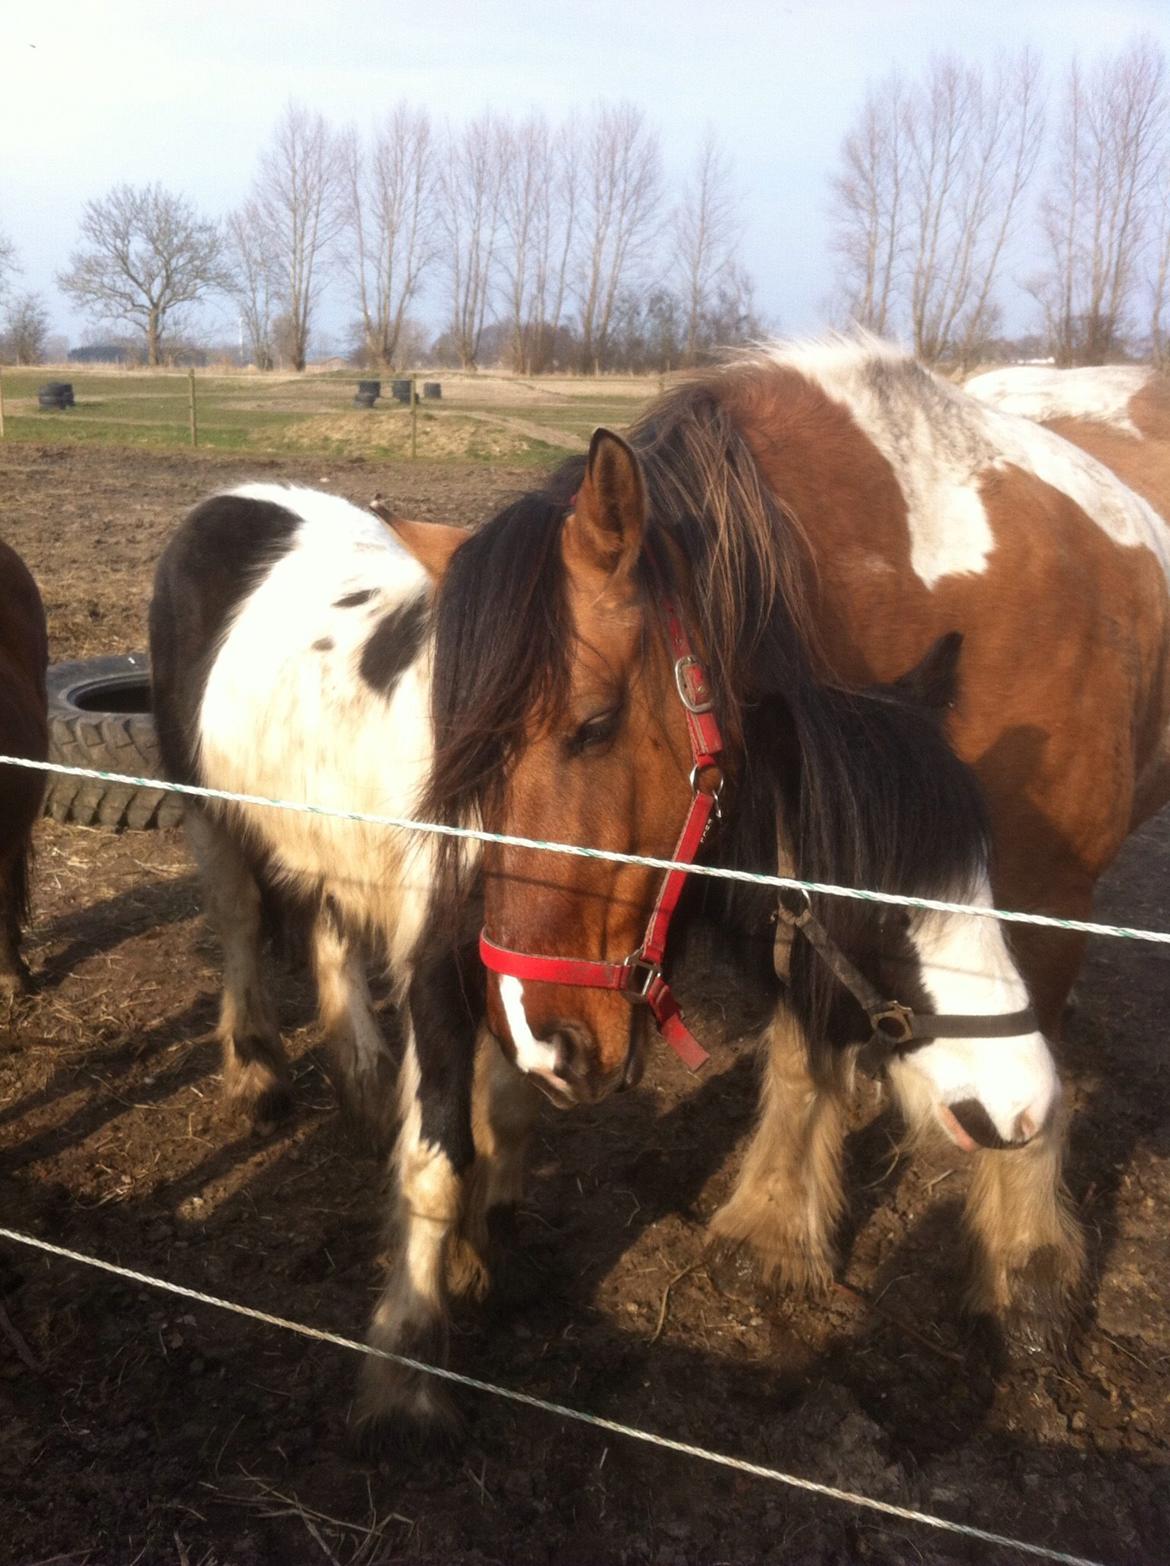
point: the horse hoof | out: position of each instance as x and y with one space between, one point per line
1035 1305
271 1108
730 1266
776 1272
16 983
404 1413
369 1106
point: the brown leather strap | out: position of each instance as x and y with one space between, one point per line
896 1028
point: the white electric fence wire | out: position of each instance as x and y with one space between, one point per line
509 840
559 1410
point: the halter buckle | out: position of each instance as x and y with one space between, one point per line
689 665
894 1022
642 973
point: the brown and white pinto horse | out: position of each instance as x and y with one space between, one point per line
824 515
23 732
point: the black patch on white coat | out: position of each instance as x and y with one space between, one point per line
323 644
222 551
355 600
393 645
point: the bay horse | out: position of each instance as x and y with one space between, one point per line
24 658
819 516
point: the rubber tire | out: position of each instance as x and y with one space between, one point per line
83 733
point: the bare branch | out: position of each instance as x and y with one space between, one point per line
26 330
470 188
1101 210
620 207
708 227
390 207
296 203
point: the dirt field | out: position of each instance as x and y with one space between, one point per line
135 1427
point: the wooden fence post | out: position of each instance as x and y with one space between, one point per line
194 415
1 404
413 417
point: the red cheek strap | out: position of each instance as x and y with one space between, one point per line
639 977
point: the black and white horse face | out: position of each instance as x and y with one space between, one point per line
917 827
982 1091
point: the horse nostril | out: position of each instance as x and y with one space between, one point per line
569 1048
1026 1128
977 1123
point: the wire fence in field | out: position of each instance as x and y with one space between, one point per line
513 1395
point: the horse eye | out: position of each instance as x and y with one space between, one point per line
595 731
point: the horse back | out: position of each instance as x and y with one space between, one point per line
923 511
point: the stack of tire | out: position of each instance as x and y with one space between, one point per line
368 393
55 394
99 717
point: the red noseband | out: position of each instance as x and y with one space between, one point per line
639 978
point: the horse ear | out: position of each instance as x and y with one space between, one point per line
933 683
431 543
610 510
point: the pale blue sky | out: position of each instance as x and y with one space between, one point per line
121 90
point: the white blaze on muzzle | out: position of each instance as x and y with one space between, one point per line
533 1055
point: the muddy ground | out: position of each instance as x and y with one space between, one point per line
137 1427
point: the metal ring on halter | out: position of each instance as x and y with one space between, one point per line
795 911
902 1019
707 766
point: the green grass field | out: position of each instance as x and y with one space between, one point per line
486 418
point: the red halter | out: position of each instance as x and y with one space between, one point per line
639 978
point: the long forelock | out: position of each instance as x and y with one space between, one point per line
501 639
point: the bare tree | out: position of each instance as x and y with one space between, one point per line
868 209
973 148
9 265
622 194
1159 281
253 284
927 198
391 225
708 227
470 187
26 330
296 199
1100 211
539 199
146 255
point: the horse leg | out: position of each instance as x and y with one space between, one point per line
431 1160
255 1068
1028 1252
504 1105
1027 1246
14 974
347 1019
788 1199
